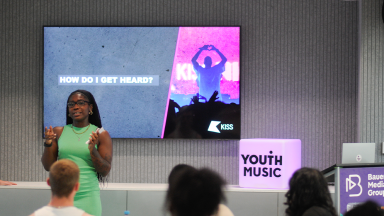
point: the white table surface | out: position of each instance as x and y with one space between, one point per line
132 186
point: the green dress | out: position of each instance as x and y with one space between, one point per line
72 146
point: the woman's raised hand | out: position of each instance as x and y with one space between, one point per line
93 139
49 135
205 47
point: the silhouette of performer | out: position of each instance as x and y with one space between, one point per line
208 77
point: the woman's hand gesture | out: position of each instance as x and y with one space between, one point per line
49 135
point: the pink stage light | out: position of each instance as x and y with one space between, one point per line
190 39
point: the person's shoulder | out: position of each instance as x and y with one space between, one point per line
219 67
104 134
78 211
58 129
223 210
196 66
317 211
39 211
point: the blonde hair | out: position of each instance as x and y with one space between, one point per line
63 176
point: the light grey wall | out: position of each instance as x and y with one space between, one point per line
298 77
371 77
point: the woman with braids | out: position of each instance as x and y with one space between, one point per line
82 142
308 194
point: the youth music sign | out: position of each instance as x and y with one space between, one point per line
268 163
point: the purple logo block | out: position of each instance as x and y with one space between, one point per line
358 185
268 163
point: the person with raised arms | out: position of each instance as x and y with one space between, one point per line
85 142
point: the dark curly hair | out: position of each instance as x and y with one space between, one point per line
178 170
195 192
93 119
308 188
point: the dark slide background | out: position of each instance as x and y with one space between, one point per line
126 111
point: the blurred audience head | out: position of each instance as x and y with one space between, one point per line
193 191
63 177
308 188
178 170
368 208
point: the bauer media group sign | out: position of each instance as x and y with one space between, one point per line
358 185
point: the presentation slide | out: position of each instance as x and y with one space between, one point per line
146 79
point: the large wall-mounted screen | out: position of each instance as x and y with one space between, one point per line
148 82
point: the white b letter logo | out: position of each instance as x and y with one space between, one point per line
349 184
